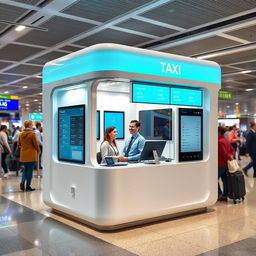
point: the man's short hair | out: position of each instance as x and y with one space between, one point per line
3 127
137 123
27 123
221 130
38 124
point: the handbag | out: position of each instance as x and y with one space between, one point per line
233 166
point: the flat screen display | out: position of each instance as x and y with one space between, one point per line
156 124
98 125
186 97
115 118
190 134
9 104
71 134
144 93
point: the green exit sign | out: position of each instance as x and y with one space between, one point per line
225 95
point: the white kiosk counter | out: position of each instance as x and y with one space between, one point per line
110 85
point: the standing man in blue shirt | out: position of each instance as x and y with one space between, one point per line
134 145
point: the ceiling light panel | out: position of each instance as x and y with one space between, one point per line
186 13
59 29
113 36
17 52
201 46
146 27
235 57
103 10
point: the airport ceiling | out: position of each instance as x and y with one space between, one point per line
219 30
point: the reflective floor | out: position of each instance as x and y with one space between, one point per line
27 227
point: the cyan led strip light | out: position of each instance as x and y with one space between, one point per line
116 60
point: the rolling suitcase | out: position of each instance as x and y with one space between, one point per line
236 186
14 165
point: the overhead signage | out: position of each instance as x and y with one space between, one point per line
144 93
132 60
225 95
9 102
35 117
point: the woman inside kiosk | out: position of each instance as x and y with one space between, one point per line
108 146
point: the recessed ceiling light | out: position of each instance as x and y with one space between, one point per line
237 103
20 28
38 76
41 93
246 71
24 87
228 106
248 90
27 105
6 92
35 100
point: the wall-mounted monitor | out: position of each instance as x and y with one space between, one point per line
115 118
190 134
98 125
186 97
144 93
71 134
9 102
156 124
158 94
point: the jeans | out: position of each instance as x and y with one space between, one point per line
222 173
4 165
251 164
27 173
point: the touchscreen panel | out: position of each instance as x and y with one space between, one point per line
190 134
71 127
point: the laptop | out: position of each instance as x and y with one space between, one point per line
110 162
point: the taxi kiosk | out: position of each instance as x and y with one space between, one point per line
175 98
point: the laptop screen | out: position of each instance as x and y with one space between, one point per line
109 160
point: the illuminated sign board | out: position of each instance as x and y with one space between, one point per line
225 95
144 93
35 116
8 102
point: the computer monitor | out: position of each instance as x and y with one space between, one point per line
147 152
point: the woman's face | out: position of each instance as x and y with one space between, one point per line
113 134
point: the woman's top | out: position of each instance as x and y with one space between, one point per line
29 146
225 151
4 142
233 136
107 149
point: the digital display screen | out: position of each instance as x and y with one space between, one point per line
143 93
190 134
114 118
98 125
156 124
9 104
71 129
186 97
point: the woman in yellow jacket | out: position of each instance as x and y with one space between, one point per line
28 154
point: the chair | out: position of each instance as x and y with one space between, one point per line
99 158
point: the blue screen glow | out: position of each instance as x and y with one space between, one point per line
98 125
71 134
150 94
115 119
186 97
9 104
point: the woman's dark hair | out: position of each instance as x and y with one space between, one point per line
221 130
106 134
3 127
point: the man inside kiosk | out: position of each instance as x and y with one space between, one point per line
134 145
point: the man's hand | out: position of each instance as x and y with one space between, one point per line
123 159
